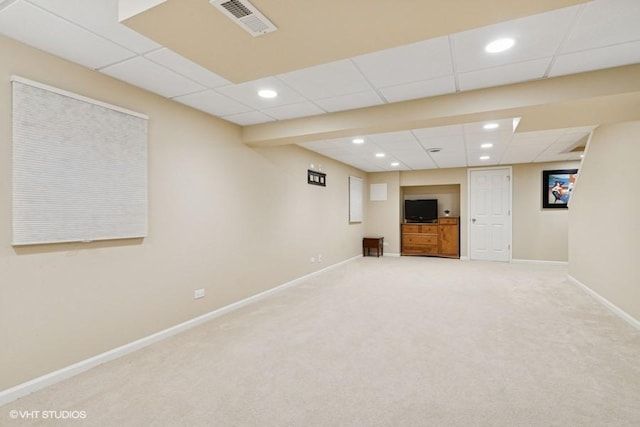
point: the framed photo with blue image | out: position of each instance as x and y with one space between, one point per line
557 186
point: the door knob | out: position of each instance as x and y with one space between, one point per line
473 220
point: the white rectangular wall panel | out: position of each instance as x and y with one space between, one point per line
79 168
355 199
378 192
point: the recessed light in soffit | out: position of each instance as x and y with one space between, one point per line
246 15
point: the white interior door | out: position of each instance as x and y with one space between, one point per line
490 214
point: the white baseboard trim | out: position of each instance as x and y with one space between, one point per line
608 304
538 261
24 389
464 258
391 254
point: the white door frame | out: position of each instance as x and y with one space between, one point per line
469 170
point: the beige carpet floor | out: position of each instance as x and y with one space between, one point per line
379 342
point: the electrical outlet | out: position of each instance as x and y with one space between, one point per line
312 260
198 293
320 258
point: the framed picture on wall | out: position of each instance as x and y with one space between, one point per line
316 178
557 186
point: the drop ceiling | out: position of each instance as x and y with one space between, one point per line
352 58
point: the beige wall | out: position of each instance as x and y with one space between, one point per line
538 234
604 230
383 217
222 216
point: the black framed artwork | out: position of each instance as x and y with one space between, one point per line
557 186
316 178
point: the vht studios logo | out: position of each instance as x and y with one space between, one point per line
47 415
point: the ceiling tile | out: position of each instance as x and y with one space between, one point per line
213 103
339 143
496 138
604 23
384 162
349 102
327 80
450 159
413 159
396 140
392 147
421 89
36 27
596 59
569 140
424 60
504 74
181 65
443 142
250 118
513 156
360 163
537 36
482 163
247 93
425 134
292 111
494 155
143 73
421 163
368 149
333 152
407 155
101 17
557 157
314 145
536 135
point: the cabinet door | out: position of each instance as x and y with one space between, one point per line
448 240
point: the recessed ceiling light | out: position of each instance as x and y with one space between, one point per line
394 164
500 45
490 126
267 93
484 157
380 155
357 141
486 145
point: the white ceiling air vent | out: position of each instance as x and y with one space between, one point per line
246 15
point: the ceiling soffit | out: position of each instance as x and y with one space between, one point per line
604 96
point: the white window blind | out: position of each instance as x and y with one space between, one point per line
79 168
355 199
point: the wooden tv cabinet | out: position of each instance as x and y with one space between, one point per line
432 239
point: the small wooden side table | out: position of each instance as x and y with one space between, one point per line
369 243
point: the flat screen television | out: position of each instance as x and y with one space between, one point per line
425 210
